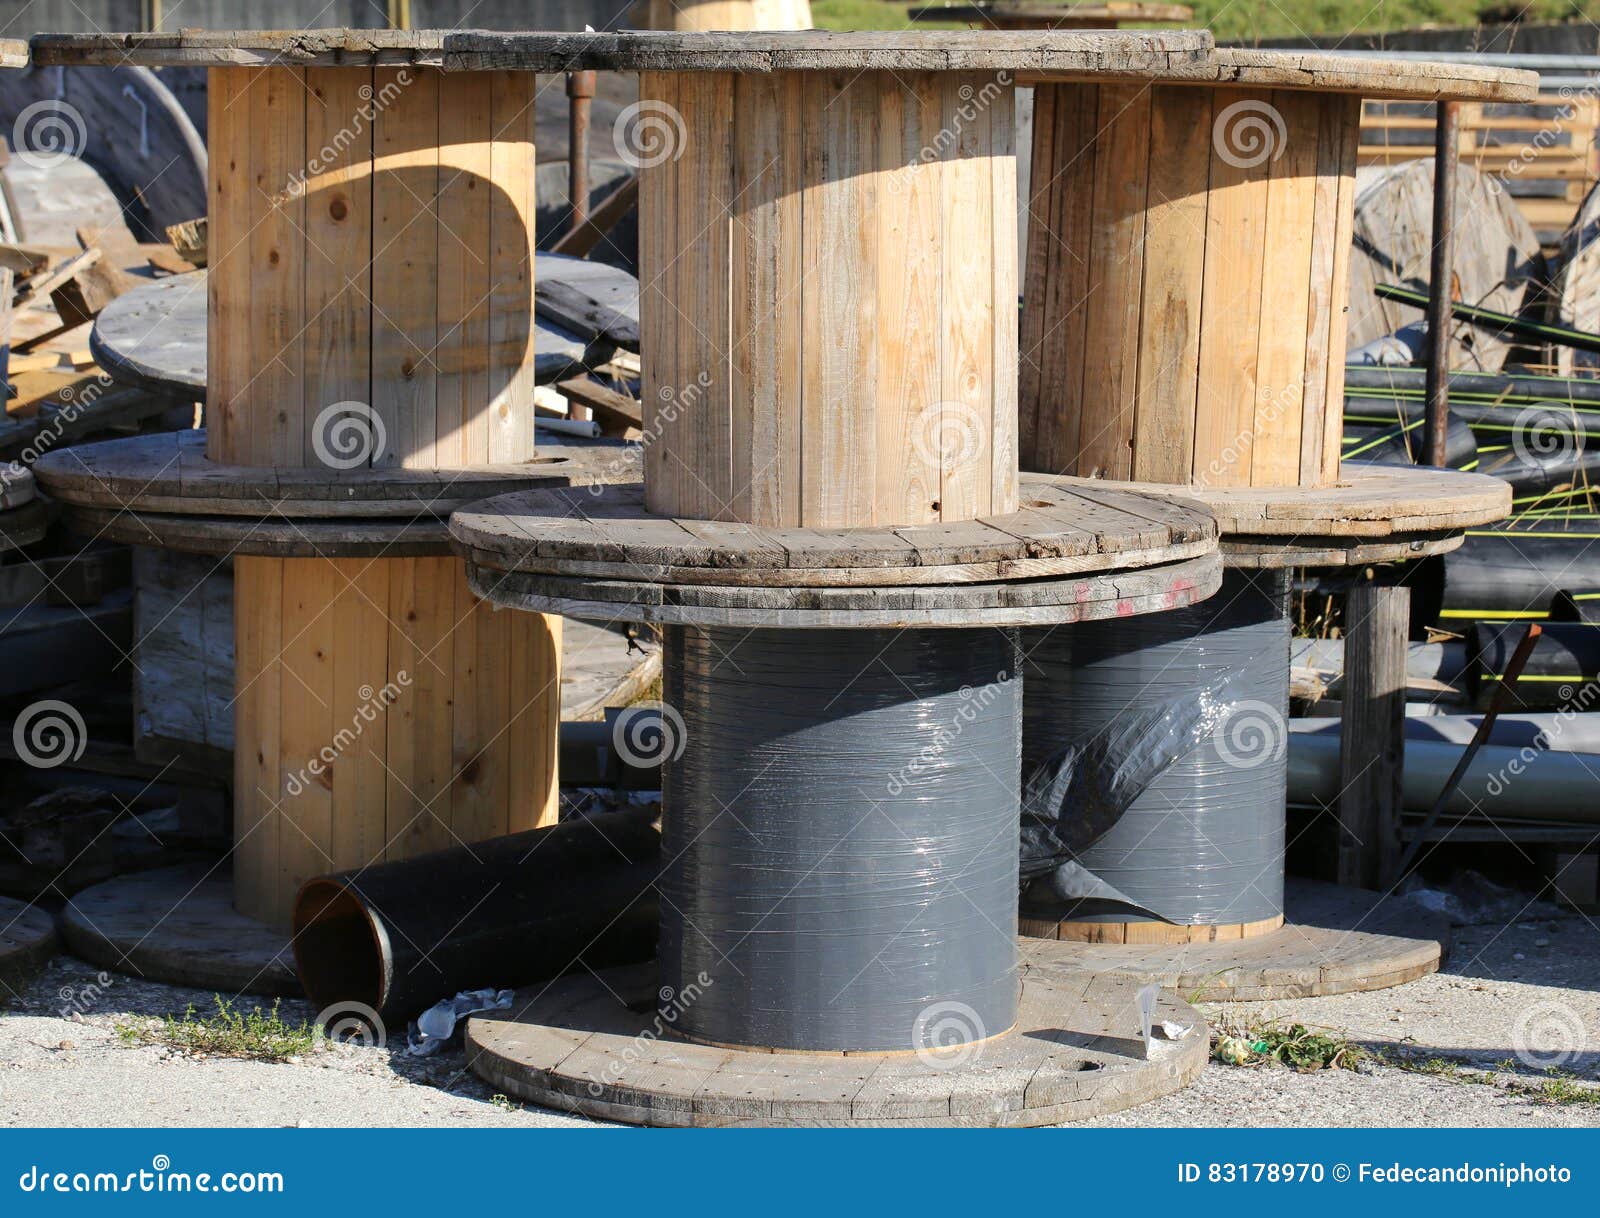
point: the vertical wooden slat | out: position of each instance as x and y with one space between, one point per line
466 167
465 806
277 282
480 803
1348 112
1321 305
1116 280
337 247
360 675
307 760
962 436
405 323
1003 241
1174 277
1036 278
1235 219
910 290
661 406
704 204
1285 295
767 294
535 664
840 316
257 783
511 225
228 278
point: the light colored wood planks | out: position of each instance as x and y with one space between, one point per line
466 189
228 110
513 206
257 785
337 250
362 690
273 403
1347 113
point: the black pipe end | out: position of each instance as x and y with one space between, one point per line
339 950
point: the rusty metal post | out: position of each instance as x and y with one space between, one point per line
1447 127
580 92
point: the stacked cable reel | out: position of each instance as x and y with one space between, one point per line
834 533
365 342
1195 346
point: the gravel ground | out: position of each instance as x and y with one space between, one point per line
1533 987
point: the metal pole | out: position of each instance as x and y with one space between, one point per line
580 91
1446 141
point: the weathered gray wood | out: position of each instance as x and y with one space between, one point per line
266 538
577 1046
1377 622
178 925
1368 501
154 336
1337 940
590 299
1100 53
183 689
1281 553
169 473
1025 603
16 485
1066 526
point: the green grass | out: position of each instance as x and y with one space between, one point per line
1264 1042
1557 1088
1246 20
255 1035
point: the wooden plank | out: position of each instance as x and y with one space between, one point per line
1372 735
840 315
306 690
1036 280
336 345
257 784
228 373
1281 353
1003 446
1235 217
482 798
276 305
535 667
1324 310
963 429
664 427
1075 167
1116 282
910 289
1174 278
422 615
1345 111
405 245
361 694
513 204
466 168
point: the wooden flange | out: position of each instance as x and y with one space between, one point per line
1135 54
27 941
1041 602
1144 932
273 537
1368 501
154 336
1336 940
1279 553
178 925
585 1044
607 533
1072 16
169 474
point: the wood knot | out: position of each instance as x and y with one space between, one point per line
273 258
338 209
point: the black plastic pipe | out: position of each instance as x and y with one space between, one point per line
1512 572
1559 672
510 911
1555 389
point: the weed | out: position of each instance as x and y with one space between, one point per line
255 1035
1288 1044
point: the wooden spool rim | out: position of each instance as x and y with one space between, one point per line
1280 553
1101 54
168 473
264 538
1109 10
1072 930
1043 602
1367 501
1063 528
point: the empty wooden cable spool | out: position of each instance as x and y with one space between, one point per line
1189 244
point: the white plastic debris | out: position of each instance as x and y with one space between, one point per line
438 1023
